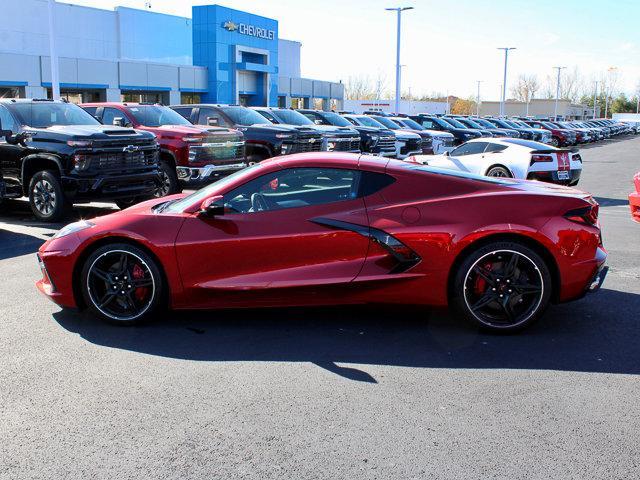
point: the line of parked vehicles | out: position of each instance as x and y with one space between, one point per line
57 153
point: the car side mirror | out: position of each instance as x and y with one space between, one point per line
212 121
118 122
212 206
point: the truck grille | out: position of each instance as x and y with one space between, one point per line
447 141
412 145
387 144
120 161
345 144
311 143
216 152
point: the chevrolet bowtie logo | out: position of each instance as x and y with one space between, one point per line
130 149
229 25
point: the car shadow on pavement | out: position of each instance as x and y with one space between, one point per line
597 334
14 244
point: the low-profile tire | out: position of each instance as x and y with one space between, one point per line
501 287
169 183
122 284
46 197
499 172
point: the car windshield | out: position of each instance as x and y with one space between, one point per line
455 122
411 124
472 124
549 125
513 124
387 123
156 115
485 123
245 116
291 117
368 122
48 114
178 206
335 119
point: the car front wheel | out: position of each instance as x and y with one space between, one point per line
122 284
46 197
168 184
502 287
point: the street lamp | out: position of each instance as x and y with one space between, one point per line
399 11
53 56
478 98
555 110
504 83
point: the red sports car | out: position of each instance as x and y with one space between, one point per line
329 228
634 199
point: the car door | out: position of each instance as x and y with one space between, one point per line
10 155
275 237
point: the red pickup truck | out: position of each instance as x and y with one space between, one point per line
190 155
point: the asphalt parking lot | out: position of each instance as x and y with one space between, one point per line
372 393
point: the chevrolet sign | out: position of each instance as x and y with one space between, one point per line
250 30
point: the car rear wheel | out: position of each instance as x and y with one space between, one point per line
502 287
498 171
46 197
122 284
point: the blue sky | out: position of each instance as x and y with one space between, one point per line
447 45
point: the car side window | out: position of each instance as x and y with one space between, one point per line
108 114
268 116
294 187
494 148
315 118
209 113
185 112
90 110
8 122
470 148
428 124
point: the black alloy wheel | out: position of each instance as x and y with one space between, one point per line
121 284
502 287
46 197
168 180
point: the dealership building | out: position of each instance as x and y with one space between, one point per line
220 55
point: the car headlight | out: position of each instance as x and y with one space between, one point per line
73 228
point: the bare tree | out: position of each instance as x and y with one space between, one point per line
525 87
362 87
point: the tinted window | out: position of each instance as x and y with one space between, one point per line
455 122
108 114
155 116
244 116
390 124
291 188
292 117
335 119
185 112
268 116
407 122
90 110
47 114
469 148
372 182
494 148
207 113
369 122
427 123
8 123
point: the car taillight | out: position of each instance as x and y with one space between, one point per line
540 158
586 215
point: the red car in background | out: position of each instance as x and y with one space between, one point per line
323 228
190 155
634 199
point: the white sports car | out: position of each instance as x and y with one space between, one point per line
510 157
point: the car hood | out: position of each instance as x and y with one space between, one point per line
189 129
92 132
405 135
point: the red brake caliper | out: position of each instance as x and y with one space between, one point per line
480 283
138 274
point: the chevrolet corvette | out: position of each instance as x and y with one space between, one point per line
634 199
331 228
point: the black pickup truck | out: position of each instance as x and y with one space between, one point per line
262 138
57 154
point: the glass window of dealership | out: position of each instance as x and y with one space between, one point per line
220 55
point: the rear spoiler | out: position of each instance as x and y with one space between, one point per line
555 150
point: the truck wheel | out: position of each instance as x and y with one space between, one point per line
46 197
256 158
168 180
127 202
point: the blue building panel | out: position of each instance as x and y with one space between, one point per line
229 41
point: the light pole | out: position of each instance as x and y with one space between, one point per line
607 92
595 100
53 55
478 98
399 11
504 82
555 110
